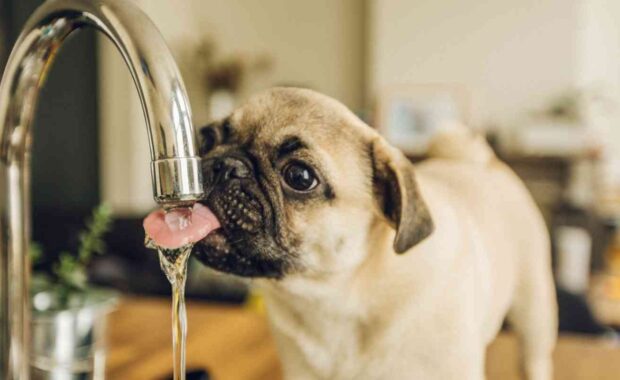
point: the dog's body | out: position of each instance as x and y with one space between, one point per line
358 310
430 313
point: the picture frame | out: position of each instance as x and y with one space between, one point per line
408 116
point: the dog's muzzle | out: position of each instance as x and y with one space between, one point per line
231 193
244 245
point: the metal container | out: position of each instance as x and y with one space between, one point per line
70 344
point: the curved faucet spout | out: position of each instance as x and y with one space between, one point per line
175 164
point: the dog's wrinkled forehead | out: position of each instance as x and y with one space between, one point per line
281 112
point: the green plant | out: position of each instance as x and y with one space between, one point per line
69 274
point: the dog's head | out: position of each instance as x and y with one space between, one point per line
296 181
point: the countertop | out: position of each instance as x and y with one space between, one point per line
235 344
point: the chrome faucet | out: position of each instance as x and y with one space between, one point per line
175 164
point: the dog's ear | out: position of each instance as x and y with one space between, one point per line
399 200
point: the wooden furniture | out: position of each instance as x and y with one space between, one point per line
231 342
235 344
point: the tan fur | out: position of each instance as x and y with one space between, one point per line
358 310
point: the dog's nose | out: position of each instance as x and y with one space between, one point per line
223 169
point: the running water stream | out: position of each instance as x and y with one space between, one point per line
173 234
173 263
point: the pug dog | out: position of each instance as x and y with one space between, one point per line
372 267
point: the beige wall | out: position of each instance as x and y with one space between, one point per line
511 55
599 43
316 43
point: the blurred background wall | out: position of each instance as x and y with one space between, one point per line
510 54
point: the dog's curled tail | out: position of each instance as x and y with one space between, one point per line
457 142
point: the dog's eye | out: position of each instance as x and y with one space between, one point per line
299 177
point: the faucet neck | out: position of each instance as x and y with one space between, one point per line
176 169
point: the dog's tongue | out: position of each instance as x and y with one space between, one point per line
181 226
